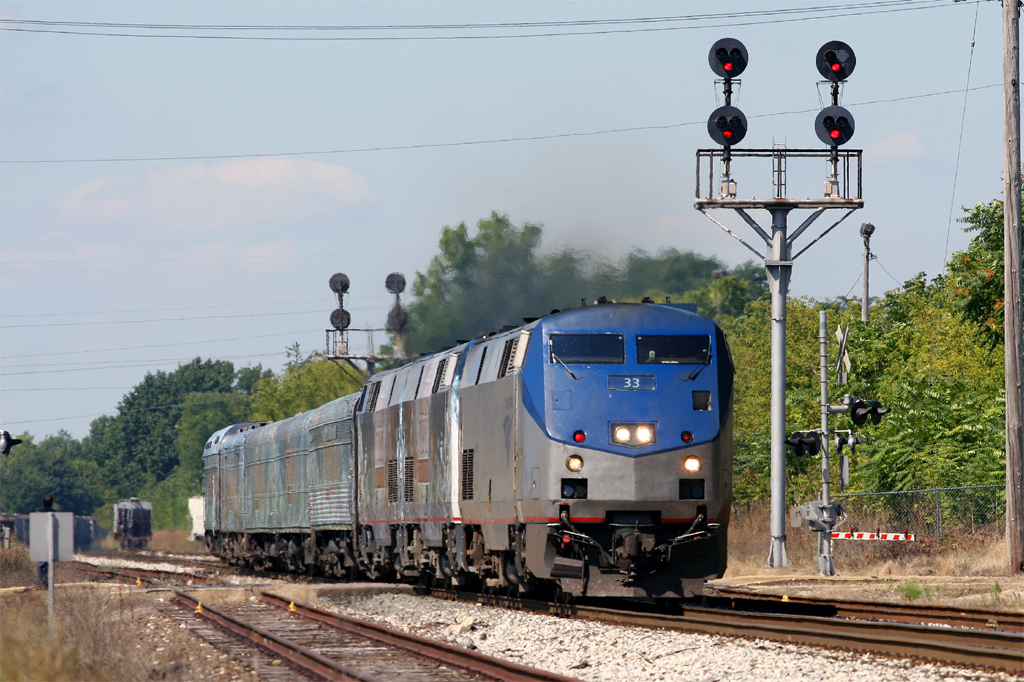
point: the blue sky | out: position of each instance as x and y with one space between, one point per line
111 269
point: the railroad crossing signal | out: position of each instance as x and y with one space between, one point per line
860 410
728 58
7 441
727 125
805 443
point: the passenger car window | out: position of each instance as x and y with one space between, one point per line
681 349
588 349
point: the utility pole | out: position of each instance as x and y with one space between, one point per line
866 230
1013 315
727 126
826 566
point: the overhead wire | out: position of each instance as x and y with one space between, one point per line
960 142
434 145
165 319
157 345
832 13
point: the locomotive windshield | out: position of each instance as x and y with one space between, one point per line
682 349
588 349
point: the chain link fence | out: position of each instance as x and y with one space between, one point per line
928 513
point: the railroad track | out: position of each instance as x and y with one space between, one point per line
947 616
142 576
336 647
979 648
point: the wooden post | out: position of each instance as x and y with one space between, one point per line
1013 315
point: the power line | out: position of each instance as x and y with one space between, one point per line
875 258
487 25
389 297
960 143
158 345
154 363
64 388
229 397
166 319
434 145
828 13
190 258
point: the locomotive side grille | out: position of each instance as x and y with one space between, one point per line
371 403
439 376
345 433
467 474
393 481
410 478
418 382
507 357
480 370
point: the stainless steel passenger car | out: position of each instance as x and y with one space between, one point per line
588 451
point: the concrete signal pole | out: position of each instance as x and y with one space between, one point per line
866 230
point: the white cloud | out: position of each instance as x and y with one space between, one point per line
896 149
242 193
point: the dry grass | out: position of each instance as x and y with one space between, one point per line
969 570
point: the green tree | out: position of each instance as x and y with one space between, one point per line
477 284
977 273
305 384
55 466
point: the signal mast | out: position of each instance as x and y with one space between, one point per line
727 126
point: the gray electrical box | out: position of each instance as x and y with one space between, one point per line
63 536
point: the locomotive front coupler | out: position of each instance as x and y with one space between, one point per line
567 538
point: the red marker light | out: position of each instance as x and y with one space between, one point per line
834 134
566 540
579 436
837 66
687 437
727 134
727 66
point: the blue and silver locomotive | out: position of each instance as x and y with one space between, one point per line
588 451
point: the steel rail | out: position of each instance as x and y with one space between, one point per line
952 616
977 648
298 655
440 651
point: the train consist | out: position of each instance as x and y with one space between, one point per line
588 451
133 523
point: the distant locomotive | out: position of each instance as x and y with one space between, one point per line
133 523
588 451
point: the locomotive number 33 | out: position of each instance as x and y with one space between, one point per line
622 382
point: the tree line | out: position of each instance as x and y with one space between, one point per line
932 352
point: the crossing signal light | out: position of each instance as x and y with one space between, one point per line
728 58
727 125
861 410
7 441
834 126
805 443
836 61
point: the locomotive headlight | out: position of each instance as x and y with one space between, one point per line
691 464
644 434
574 463
622 434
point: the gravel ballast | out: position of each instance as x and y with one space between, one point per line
601 652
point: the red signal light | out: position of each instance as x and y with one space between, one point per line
727 66
834 134
836 66
727 134
579 436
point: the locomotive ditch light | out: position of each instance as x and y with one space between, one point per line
644 434
687 437
691 464
579 436
574 463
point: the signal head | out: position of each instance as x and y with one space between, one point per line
834 126
339 283
728 58
395 283
835 61
340 319
727 125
